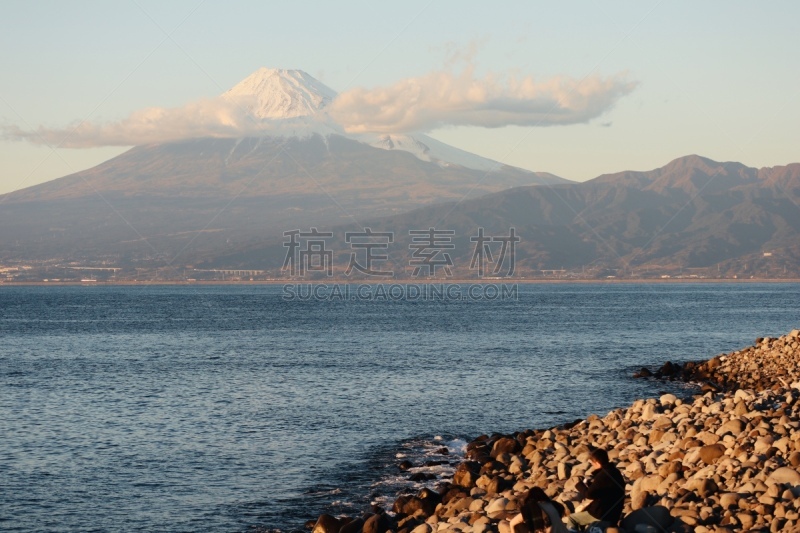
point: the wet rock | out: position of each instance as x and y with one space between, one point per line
669 369
353 526
409 505
467 474
326 524
377 523
505 445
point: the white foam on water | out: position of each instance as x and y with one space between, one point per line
418 451
458 446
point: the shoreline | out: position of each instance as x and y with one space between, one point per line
724 459
730 281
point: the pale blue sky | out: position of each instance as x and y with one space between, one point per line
720 79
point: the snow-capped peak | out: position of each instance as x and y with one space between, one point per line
291 103
280 93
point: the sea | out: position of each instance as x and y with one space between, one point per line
235 408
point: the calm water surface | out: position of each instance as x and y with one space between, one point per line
230 409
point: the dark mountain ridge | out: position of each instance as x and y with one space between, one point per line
691 213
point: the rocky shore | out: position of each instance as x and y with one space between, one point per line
725 459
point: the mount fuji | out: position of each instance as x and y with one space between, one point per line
293 103
195 198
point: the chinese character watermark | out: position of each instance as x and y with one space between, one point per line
315 257
430 249
428 246
482 254
370 242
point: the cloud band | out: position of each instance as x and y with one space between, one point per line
417 104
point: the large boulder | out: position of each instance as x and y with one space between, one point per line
784 475
467 474
354 526
478 449
496 509
424 502
711 452
326 524
429 498
734 427
408 505
454 493
505 445
377 523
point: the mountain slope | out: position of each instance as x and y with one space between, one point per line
217 193
691 213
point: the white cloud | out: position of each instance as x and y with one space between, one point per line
216 117
416 104
446 99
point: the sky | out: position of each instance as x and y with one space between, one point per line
644 82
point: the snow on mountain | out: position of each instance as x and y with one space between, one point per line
291 103
280 94
429 149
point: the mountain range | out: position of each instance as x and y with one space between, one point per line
202 196
224 203
693 213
